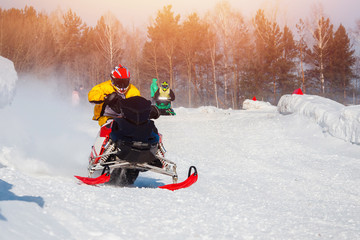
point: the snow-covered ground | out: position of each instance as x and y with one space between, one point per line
268 172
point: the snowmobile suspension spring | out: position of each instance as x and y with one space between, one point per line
108 150
162 148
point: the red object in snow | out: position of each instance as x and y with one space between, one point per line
93 181
187 183
254 98
298 92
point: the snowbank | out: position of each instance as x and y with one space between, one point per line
8 78
203 109
336 119
251 104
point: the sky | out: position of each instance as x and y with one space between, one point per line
138 12
268 172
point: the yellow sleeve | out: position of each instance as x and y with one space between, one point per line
98 92
132 92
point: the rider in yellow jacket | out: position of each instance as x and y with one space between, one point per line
120 84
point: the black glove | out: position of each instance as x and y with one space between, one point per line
154 112
109 99
114 101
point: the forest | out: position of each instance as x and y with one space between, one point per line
219 59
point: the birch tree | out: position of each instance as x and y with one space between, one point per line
111 37
301 45
321 31
227 23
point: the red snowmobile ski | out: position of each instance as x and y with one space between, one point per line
192 178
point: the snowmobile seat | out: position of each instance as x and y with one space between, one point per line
134 134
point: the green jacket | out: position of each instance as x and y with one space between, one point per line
154 87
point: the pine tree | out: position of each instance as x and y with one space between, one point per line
191 46
70 44
163 34
268 50
287 68
343 60
241 47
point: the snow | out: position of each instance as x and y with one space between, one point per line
8 78
268 172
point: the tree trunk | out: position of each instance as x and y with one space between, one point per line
213 54
189 80
302 70
322 78
225 84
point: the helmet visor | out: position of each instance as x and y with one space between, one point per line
121 82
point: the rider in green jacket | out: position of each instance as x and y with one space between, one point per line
163 98
153 88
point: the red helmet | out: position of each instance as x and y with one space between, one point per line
120 78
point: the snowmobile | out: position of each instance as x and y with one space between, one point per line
164 106
131 144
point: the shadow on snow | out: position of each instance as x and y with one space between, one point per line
145 182
7 195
